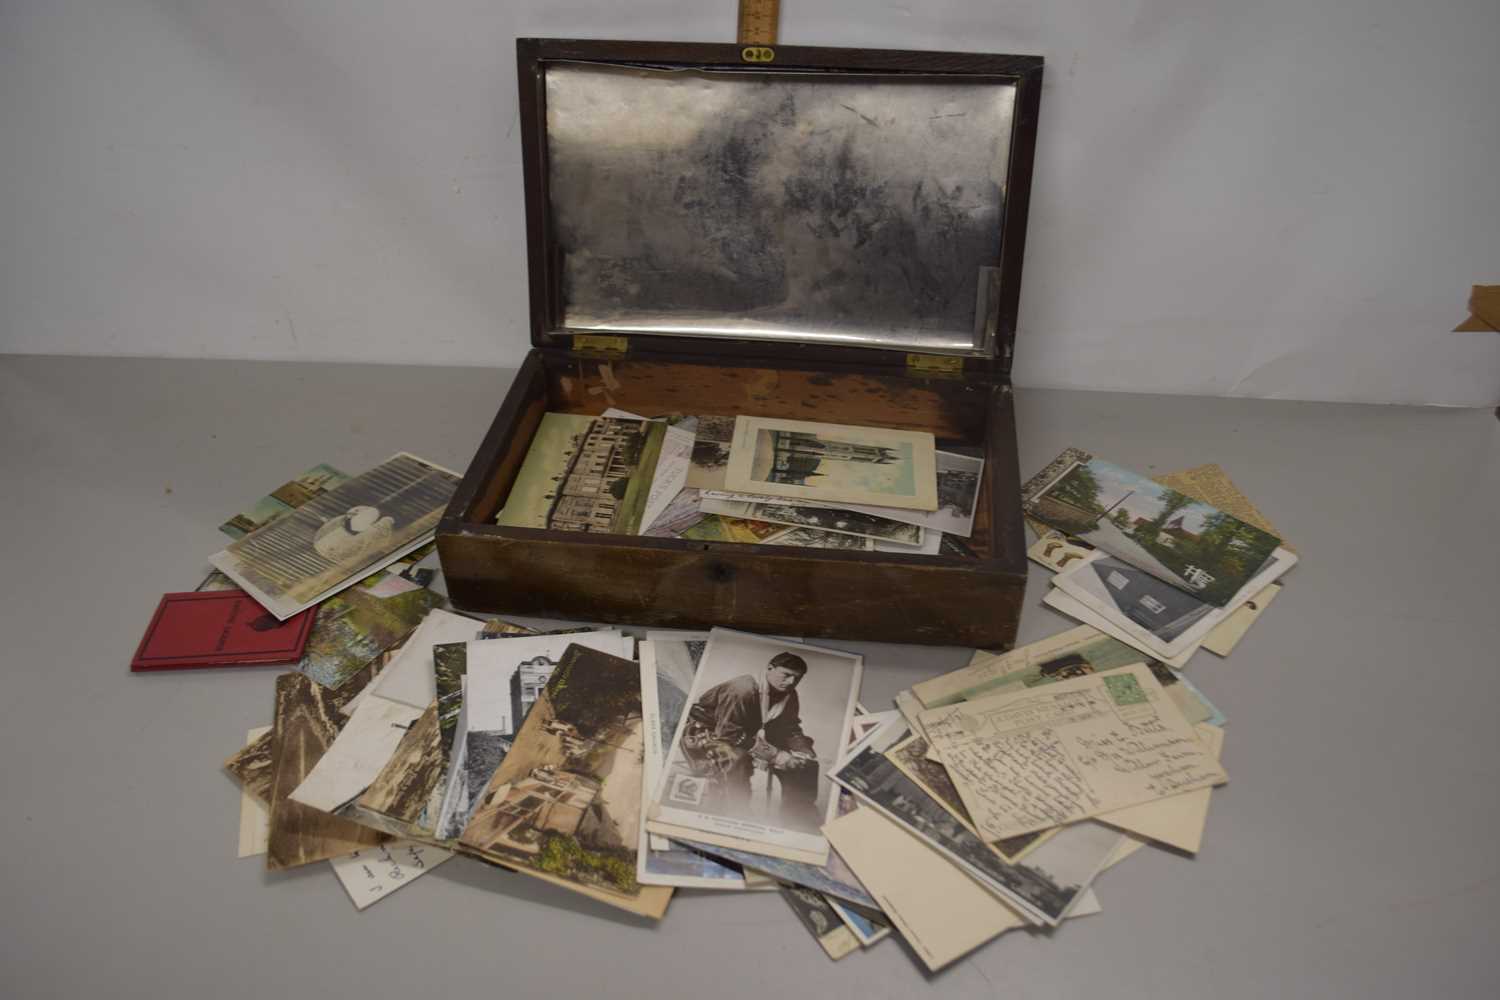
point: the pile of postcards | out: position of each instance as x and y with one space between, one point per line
621 765
746 479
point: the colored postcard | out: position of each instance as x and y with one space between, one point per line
1162 619
283 499
799 459
353 628
336 539
748 764
586 473
1205 551
564 804
716 528
1042 757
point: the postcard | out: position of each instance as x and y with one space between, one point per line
1177 820
1057 551
678 516
252 766
334 540
821 920
1223 637
353 628
799 459
411 678
1074 608
564 804
1164 620
1212 485
714 528
765 724
586 474
671 472
958 496
1075 653
910 758
667 669
357 754
869 926
710 453
218 628
501 682
306 724
843 522
940 911
255 813
1044 886
404 796
372 874
810 538
285 498
1041 757
1207 552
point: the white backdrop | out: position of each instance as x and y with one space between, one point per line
1286 198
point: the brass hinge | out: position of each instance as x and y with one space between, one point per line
934 364
589 343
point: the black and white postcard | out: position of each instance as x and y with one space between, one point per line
820 518
748 765
341 536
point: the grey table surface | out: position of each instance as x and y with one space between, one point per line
1352 853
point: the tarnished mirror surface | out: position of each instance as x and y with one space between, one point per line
835 208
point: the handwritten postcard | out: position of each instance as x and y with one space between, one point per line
370 875
1047 756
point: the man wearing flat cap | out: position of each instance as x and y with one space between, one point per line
757 720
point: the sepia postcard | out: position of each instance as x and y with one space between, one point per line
501 681
284 498
843 522
586 473
357 755
1041 757
821 920
1164 620
799 459
811 538
748 764
404 796
336 539
1043 886
667 669
1205 551
255 812
564 804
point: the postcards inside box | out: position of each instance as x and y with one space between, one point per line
680 583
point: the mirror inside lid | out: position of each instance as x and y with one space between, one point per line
841 208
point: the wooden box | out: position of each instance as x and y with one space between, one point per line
821 234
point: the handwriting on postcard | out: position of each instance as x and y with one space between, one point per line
371 875
1036 759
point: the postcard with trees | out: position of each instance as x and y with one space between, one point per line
1189 544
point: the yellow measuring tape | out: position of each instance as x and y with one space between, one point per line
759 20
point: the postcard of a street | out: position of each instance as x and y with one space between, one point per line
747 767
586 474
1189 544
334 540
1041 757
832 462
565 804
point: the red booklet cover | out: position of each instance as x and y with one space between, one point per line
219 628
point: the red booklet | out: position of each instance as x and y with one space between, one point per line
219 628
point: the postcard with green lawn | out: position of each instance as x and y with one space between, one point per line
1191 545
586 474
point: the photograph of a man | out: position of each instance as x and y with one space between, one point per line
751 722
761 732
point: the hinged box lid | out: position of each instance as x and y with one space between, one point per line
851 205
